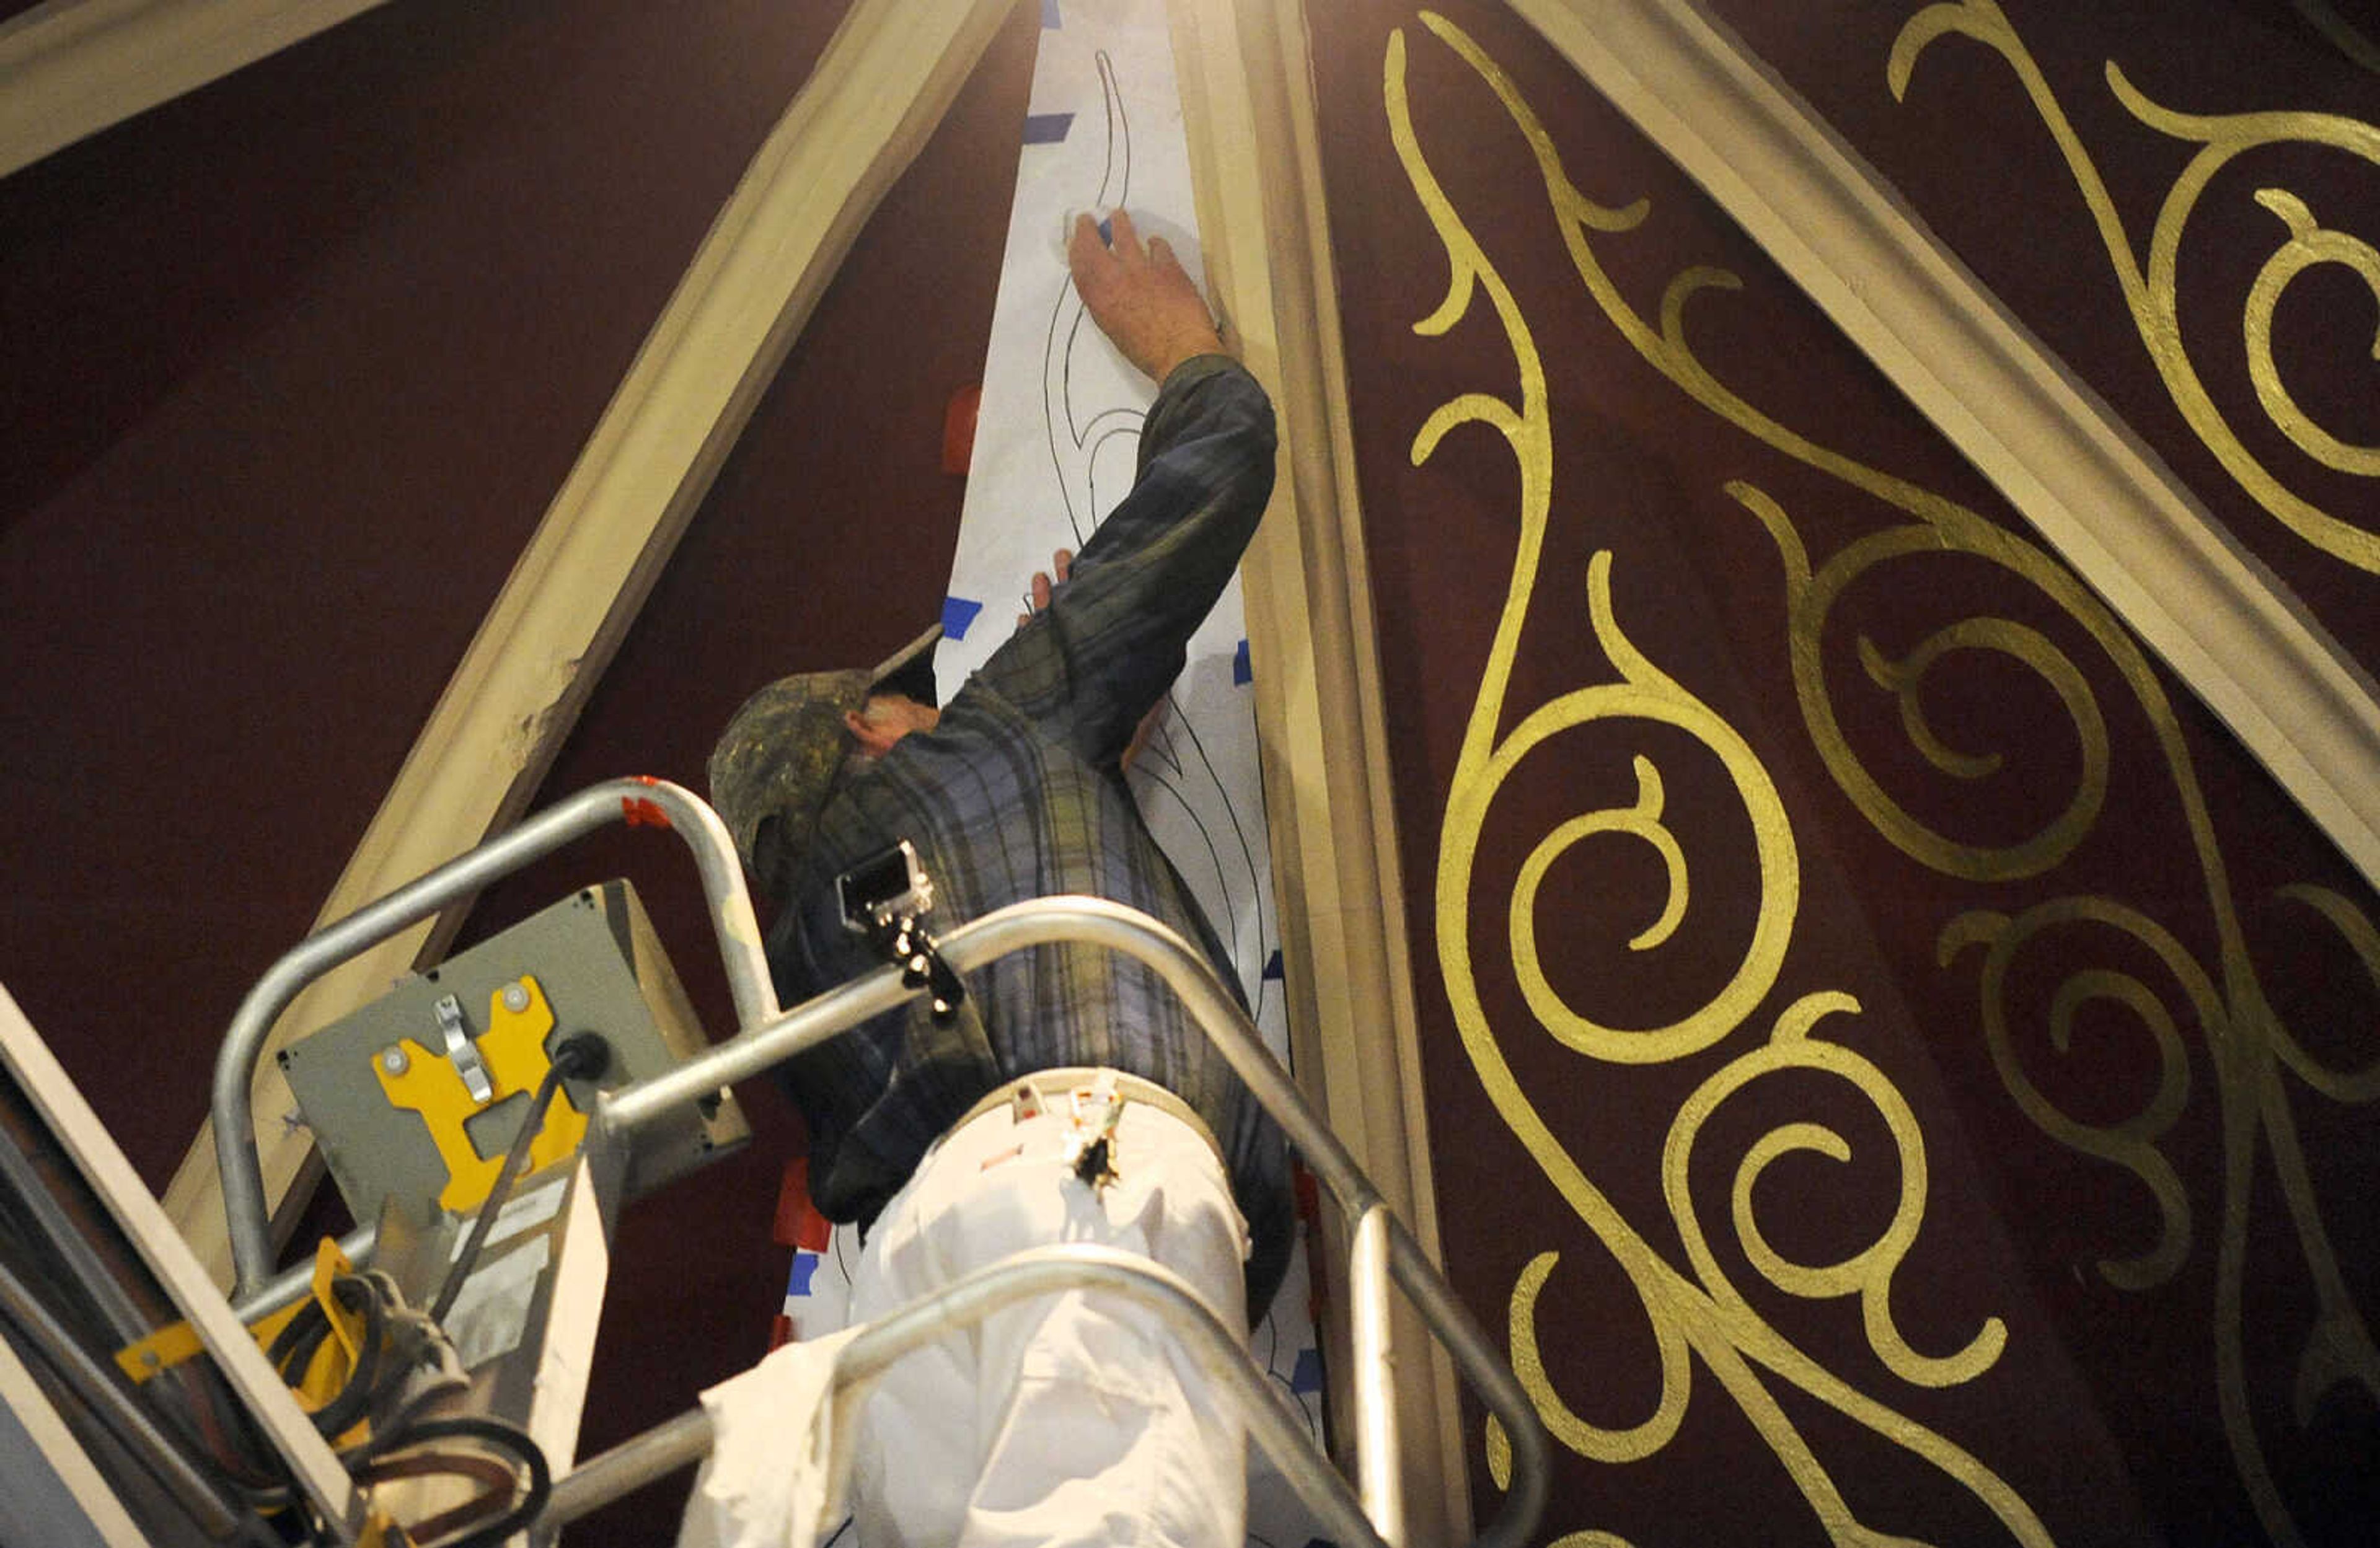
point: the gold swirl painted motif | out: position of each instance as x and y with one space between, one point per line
2149 287
1696 1314
2245 1044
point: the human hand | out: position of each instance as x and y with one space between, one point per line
1044 587
1141 296
1038 595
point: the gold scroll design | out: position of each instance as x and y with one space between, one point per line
2247 1044
1695 1312
2149 289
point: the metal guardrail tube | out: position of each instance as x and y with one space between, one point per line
1038 922
1478 1358
1378 1474
753 1050
296 1281
1383 1249
62 1230
628 1466
1041 1271
1220 1353
732 919
1099 922
613 801
125 1420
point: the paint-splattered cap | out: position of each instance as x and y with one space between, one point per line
777 761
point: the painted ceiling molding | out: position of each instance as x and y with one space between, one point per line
70 68
875 95
2232 632
1248 111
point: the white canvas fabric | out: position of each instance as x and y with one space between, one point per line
772 1478
1066 1420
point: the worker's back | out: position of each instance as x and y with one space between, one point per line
1016 793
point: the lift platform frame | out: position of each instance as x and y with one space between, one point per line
1381 1250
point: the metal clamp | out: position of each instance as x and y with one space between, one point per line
462 1052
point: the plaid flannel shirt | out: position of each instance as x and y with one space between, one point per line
1017 793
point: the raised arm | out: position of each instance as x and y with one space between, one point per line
1112 638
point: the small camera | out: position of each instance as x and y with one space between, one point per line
887 887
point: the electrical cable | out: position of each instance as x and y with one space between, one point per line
354 1398
500 1479
488 1432
99 1388
582 1055
220 1427
75 1252
294 1348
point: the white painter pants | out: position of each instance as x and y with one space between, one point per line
1064 1419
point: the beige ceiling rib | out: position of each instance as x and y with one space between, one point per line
71 67
2115 513
887 77
1248 109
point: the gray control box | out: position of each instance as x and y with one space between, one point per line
594 961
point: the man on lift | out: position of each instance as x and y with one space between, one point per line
1065 1095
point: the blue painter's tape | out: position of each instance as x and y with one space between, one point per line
1243 673
1272 968
958 616
1307 1377
1050 13
1047 129
805 1266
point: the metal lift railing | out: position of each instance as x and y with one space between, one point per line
1220 1355
1381 1250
